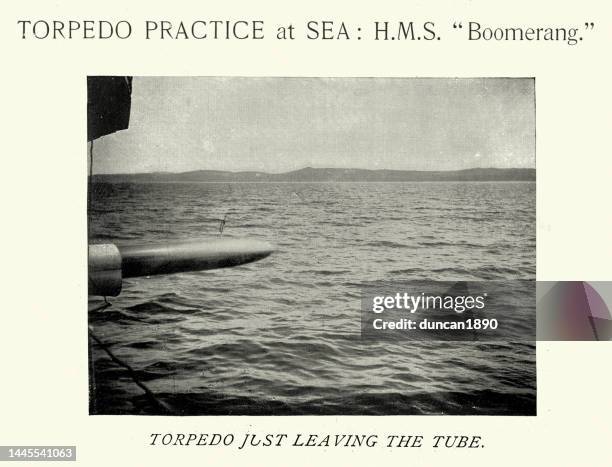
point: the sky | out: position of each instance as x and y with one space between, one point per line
281 124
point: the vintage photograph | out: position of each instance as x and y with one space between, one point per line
235 222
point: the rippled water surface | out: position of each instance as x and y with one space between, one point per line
282 336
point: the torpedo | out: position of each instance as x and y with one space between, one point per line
110 263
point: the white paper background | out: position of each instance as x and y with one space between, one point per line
43 329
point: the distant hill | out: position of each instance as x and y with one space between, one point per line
310 174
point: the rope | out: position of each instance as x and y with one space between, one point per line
165 408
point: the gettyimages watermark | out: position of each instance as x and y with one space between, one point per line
487 311
450 311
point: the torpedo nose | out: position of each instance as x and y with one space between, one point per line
200 255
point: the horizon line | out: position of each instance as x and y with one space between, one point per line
311 167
